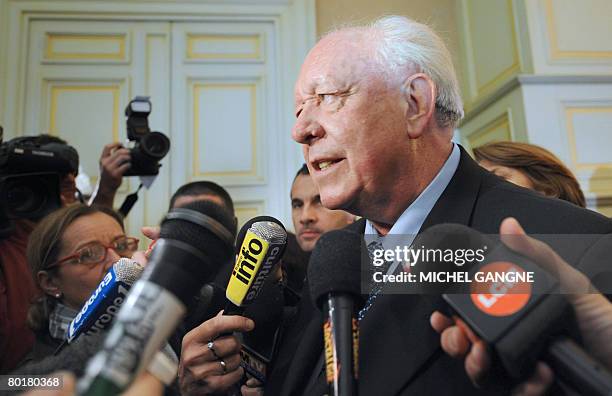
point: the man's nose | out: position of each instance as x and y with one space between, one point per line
309 215
307 126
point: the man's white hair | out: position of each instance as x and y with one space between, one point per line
400 42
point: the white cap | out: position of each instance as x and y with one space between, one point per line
83 183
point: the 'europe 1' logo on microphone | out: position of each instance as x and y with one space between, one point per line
100 309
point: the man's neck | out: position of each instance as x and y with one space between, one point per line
389 209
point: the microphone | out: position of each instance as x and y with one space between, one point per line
74 358
103 304
194 243
521 321
259 345
262 242
334 275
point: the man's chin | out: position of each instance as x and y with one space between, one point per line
337 199
307 246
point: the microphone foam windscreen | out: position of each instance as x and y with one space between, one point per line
128 270
335 265
198 236
249 224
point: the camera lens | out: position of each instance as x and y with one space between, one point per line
155 145
25 198
29 196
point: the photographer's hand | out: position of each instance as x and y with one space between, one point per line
114 162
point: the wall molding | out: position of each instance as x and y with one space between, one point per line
502 119
52 39
473 110
564 79
252 173
254 39
555 52
571 109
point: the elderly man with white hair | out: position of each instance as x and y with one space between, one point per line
375 110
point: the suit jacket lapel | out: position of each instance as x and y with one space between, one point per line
396 339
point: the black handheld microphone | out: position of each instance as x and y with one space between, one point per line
334 274
194 243
259 345
520 321
261 243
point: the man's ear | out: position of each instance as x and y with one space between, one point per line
48 283
419 92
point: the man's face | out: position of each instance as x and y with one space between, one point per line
310 217
350 122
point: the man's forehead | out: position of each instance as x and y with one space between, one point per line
335 59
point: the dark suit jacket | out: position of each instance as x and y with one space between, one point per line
399 353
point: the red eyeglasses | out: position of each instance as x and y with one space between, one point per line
96 252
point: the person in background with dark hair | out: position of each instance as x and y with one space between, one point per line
201 190
208 302
17 288
68 191
204 190
69 253
310 220
200 371
195 191
531 166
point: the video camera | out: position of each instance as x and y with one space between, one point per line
30 172
150 147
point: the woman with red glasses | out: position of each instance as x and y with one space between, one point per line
69 252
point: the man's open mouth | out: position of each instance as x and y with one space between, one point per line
325 164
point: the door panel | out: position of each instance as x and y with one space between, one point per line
215 91
224 95
80 77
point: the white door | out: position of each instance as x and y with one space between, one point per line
225 98
220 77
80 77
